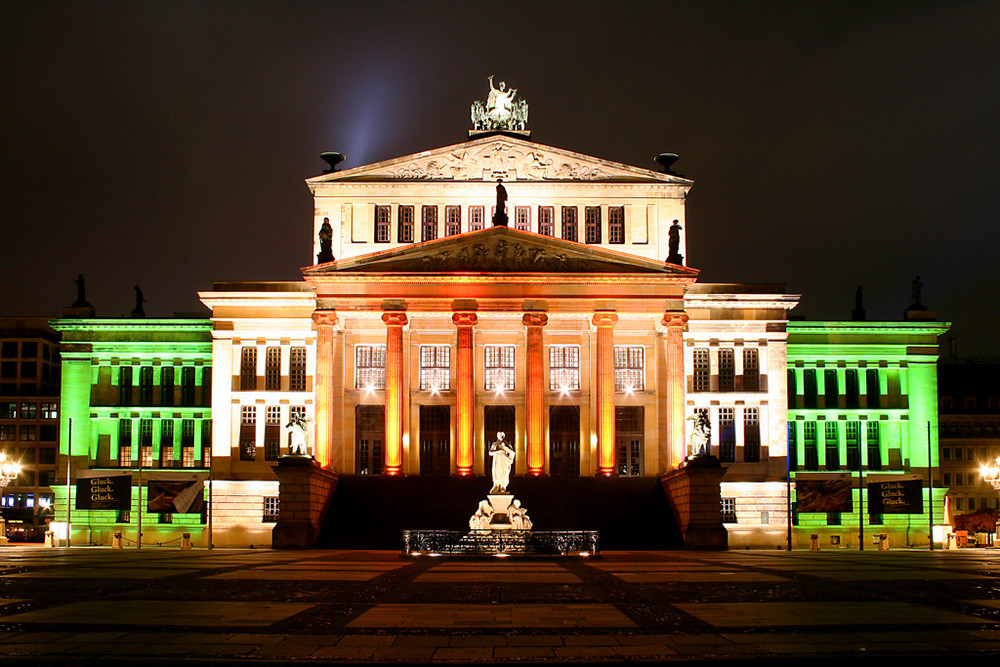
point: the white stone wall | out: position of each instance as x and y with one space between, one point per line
238 510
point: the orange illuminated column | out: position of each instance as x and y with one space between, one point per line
674 321
605 392
394 321
325 322
465 396
534 397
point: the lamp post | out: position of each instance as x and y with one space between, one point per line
991 475
9 470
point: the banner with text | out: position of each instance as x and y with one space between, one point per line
898 495
104 491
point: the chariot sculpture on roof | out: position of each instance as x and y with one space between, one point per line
500 111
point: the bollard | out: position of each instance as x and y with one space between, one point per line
186 541
116 541
883 542
814 542
50 539
952 543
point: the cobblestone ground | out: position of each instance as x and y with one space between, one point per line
94 605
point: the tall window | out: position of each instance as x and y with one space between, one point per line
751 369
793 389
272 369
872 388
546 220
452 220
405 224
499 367
809 390
297 369
616 224
830 389
382 224
793 446
810 445
146 442
146 385
167 443
187 386
751 435
125 443
369 367
727 370
832 443
592 224
125 386
167 386
522 218
727 435
428 223
476 215
564 368
272 433
271 507
851 389
852 439
629 366
701 371
187 443
569 223
435 367
248 369
206 444
248 433
874 446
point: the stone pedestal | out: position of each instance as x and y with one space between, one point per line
500 502
696 500
304 491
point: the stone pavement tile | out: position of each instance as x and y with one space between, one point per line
202 637
534 640
97 637
792 648
563 577
521 652
464 653
295 575
404 652
223 650
450 615
257 639
626 640
413 641
54 648
318 640
696 577
585 651
36 637
158 649
344 652
776 614
144 637
286 649
589 640
164 612
635 650
367 640
478 640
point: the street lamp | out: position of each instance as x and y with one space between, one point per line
9 470
991 474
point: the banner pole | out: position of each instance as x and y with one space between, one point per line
69 487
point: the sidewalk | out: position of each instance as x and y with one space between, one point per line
92 603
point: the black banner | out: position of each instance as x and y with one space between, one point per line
824 496
106 492
903 496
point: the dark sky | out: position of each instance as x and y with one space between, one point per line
831 144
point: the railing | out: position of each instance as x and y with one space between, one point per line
501 542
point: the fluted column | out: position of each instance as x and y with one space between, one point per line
465 394
675 321
325 322
534 395
605 323
394 322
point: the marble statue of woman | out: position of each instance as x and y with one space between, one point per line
299 427
503 460
500 102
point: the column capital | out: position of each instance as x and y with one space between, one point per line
605 319
395 318
464 319
674 318
326 318
535 319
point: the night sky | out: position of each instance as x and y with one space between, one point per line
831 144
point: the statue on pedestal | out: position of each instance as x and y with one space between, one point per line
701 435
299 432
503 459
674 244
500 111
81 293
325 243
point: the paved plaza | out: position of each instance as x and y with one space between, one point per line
159 605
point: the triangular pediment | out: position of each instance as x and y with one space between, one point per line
500 250
498 155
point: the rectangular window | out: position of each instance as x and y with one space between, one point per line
146 443
809 395
146 385
248 369
271 505
499 361
476 215
187 457
248 433
369 367
297 369
8 433
522 218
382 224
592 224
272 432
811 445
751 369
125 443
272 369
167 443
831 438
50 411
629 368
8 410
874 446
452 220
701 371
569 223
187 386
616 224
793 446
853 441
793 389
727 370
546 220
727 435
564 368
167 386
405 224
830 389
852 399
729 510
206 443
435 367
125 386
29 434
29 411
428 223
751 435
872 388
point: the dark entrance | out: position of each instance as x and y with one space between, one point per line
629 440
435 440
499 418
369 438
564 440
